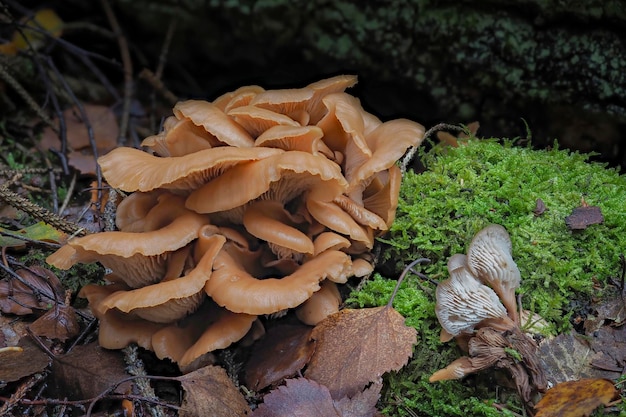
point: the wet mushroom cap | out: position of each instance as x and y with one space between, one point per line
170 300
284 176
133 170
238 291
320 305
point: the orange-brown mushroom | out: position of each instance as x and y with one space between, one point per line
280 177
139 258
238 291
237 98
320 305
268 220
169 300
256 120
133 170
215 121
180 137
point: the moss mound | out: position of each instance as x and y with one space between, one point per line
462 191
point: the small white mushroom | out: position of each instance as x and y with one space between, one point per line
463 302
489 259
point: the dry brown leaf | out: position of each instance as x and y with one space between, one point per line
363 404
283 351
105 133
87 371
576 398
60 322
355 347
38 291
210 392
17 364
303 397
584 216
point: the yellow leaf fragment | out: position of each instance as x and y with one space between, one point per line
576 398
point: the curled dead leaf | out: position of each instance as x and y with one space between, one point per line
36 290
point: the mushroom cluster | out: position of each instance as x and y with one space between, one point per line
477 306
254 203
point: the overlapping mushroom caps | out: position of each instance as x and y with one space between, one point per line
254 203
470 308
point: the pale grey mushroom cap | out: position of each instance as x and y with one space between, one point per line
489 258
463 302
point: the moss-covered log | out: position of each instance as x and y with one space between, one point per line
560 52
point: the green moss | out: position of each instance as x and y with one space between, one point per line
463 190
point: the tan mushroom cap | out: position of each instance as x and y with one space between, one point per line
322 304
344 130
281 177
139 258
323 88
335 218
268 220
237 98
132 210
179 138
385 151
489 259
362 267
133 170
360 214
215 121
256 120
329 240
229 328
295 138
240 292
170 300
463 302
382 198
290 102
117 330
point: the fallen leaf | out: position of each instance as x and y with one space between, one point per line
540 207
280 354
39 231
17 364
299 397
303 397
576 398
600 354
60 322
87 371
363 404
105 133
34 32
210 392
584 216
355 347
39 289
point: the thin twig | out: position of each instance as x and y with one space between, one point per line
411 153
403 274
128 70
29 240
70 192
